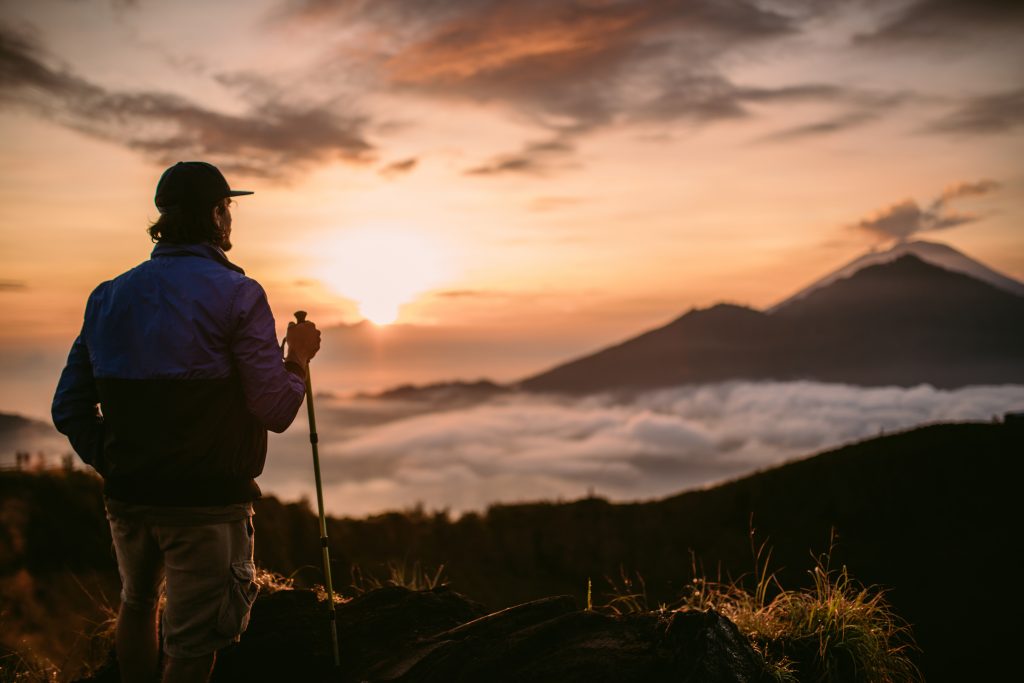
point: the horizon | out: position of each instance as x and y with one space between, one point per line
505 186
569 174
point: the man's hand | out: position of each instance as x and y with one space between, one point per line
303 342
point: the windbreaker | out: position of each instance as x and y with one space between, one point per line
174 380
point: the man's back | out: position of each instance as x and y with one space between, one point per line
182 354
169 317
177 431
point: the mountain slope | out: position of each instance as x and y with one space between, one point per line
930 514
904 322
937 254
19 433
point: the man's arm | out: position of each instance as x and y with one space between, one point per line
75 408
273 389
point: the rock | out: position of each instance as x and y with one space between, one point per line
709 647
439 636
289 634
579 645
574 646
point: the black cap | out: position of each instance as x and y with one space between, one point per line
194 185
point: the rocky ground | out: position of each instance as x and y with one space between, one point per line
394 634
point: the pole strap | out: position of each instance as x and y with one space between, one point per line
323 541
313 438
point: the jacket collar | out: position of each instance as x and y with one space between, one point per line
202 250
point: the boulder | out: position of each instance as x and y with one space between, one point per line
435 636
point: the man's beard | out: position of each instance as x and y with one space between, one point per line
225 240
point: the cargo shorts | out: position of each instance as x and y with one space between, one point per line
207 573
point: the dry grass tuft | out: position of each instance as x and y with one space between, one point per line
835 630
415 577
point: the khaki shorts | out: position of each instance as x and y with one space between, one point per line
207 570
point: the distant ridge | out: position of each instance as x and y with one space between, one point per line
900 322
20 433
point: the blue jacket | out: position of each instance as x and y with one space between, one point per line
175 379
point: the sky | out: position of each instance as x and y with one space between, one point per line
517 181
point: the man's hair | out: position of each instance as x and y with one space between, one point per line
188 225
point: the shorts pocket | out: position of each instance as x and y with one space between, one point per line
242 591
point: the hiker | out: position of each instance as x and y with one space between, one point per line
168 393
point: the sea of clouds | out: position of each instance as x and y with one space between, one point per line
382 455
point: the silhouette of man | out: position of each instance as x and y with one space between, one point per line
168 393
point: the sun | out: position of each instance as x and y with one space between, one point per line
383 268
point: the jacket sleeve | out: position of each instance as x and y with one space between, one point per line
75 408
272 393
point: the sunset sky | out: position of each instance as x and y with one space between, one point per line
531 178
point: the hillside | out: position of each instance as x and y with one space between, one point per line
17 432
928 513
903 322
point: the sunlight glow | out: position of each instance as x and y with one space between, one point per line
382 268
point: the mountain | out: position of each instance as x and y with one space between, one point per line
19 433
937 254
901 322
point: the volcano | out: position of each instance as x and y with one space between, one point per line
891 318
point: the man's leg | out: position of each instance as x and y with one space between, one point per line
136 643
140 566
192 670
209 574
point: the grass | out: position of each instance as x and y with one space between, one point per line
25 667
28 666
272 582
833 631
627 594
415 577
86 651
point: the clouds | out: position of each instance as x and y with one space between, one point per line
835 124
944 23
984 115
568 69
964 189
536 158
527 447
398 168
904 219
270 139
571 68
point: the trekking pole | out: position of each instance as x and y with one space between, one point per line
300 317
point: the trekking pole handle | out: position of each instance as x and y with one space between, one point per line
300 317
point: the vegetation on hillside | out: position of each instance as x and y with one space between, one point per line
916 512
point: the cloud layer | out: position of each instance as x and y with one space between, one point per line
904 219
380 455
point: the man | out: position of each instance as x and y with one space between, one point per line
168 393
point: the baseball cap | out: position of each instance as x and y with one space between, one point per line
192 184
